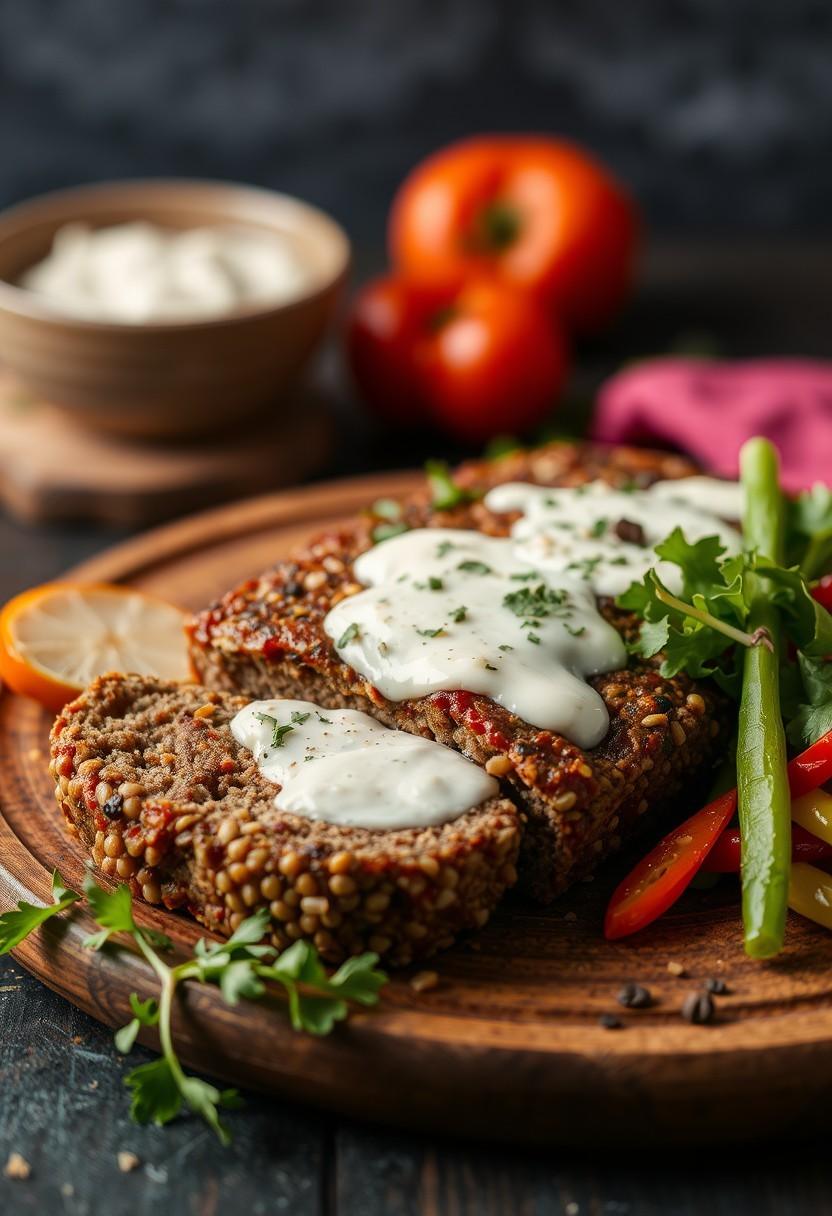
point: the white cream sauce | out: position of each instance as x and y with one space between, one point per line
724 499
341 766
516 618
141 273
582 531
450 609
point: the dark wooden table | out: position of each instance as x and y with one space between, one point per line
63 1106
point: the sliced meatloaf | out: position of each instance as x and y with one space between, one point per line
151 777
266 638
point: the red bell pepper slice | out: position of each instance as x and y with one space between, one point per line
724 857
660 878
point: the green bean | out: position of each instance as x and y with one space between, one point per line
762 782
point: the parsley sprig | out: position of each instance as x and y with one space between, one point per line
704 630
22 920
241 967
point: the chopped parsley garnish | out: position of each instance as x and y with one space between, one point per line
430 633
279 732
505 646
536 602
321 718
350 634
599 527
387 531
524 578
444 547
576 633
300 718
533 638
474 567
435 584
586 566
391 511
387 508
240 967
445 494
459 614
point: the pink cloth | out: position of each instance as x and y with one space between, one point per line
708 408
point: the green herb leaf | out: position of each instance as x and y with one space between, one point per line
155 1092
809 531
812 718
279 732
444 548
536 602
18 923
459 614
387 508
357 980
113 910
205 1099
382 532
445 494
474 567
350 634
502 445
809 624
429 633
299 718
145 1013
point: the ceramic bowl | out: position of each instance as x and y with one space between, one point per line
174 379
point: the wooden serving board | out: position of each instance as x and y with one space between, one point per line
509 1044
53 468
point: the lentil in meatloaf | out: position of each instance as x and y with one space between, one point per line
266 638
151 777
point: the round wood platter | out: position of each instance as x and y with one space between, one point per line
508 1045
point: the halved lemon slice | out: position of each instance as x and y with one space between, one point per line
56 638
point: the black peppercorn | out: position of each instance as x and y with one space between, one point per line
698 1008
635 996
112 808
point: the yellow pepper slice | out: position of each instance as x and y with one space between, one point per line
810 893
814 813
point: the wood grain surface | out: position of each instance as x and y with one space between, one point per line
53 468
509 1043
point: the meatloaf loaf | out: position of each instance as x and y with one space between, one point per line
151 777
266 638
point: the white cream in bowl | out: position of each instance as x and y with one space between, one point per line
140 273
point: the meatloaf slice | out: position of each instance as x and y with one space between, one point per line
266 638
150 776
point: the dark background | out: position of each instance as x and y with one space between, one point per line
718 112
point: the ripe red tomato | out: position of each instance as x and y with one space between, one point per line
535 212
479 361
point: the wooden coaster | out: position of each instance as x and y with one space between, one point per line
52 469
